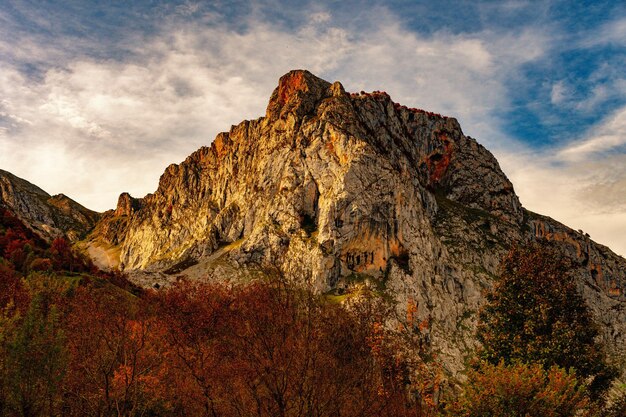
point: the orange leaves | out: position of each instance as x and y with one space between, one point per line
262 349
114 351
121 377
376 339
521 390
271 350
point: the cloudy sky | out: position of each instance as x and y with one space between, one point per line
97 98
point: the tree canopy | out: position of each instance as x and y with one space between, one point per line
535 314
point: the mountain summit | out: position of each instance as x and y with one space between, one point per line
340 191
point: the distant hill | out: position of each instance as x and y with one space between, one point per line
48 216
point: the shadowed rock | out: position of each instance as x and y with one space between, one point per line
48 216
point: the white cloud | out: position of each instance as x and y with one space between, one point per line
613 32
559 93
573 195
320 17
599 94
607 136
606 87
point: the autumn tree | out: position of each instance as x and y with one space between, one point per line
10 318
66 258
521 390
535 314
269 349
196 320
18 249
112 357
13 294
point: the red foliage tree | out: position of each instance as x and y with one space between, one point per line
61 255
111 352
270 350
13 295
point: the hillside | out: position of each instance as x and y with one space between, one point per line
48 216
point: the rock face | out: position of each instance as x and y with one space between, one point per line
48 216
333 190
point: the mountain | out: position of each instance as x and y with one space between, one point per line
342 191
48 216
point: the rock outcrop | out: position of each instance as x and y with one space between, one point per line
334 190
48 216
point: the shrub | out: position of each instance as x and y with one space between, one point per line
521 390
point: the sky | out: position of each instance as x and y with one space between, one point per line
97 98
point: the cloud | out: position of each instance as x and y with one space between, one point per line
606 84
560 93
611 33
608 136
581 195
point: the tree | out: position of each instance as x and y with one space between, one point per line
9 321
61 255
13 295
536 314
267 349
196 320
35 361
521 390
112 355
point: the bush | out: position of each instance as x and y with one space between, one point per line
521 390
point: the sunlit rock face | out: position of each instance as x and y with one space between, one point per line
330 189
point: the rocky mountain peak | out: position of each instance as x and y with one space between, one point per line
127 205
341 192
298 92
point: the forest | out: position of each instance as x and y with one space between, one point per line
77 341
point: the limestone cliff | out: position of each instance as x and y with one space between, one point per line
48 216
336 190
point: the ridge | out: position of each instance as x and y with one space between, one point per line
48 216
